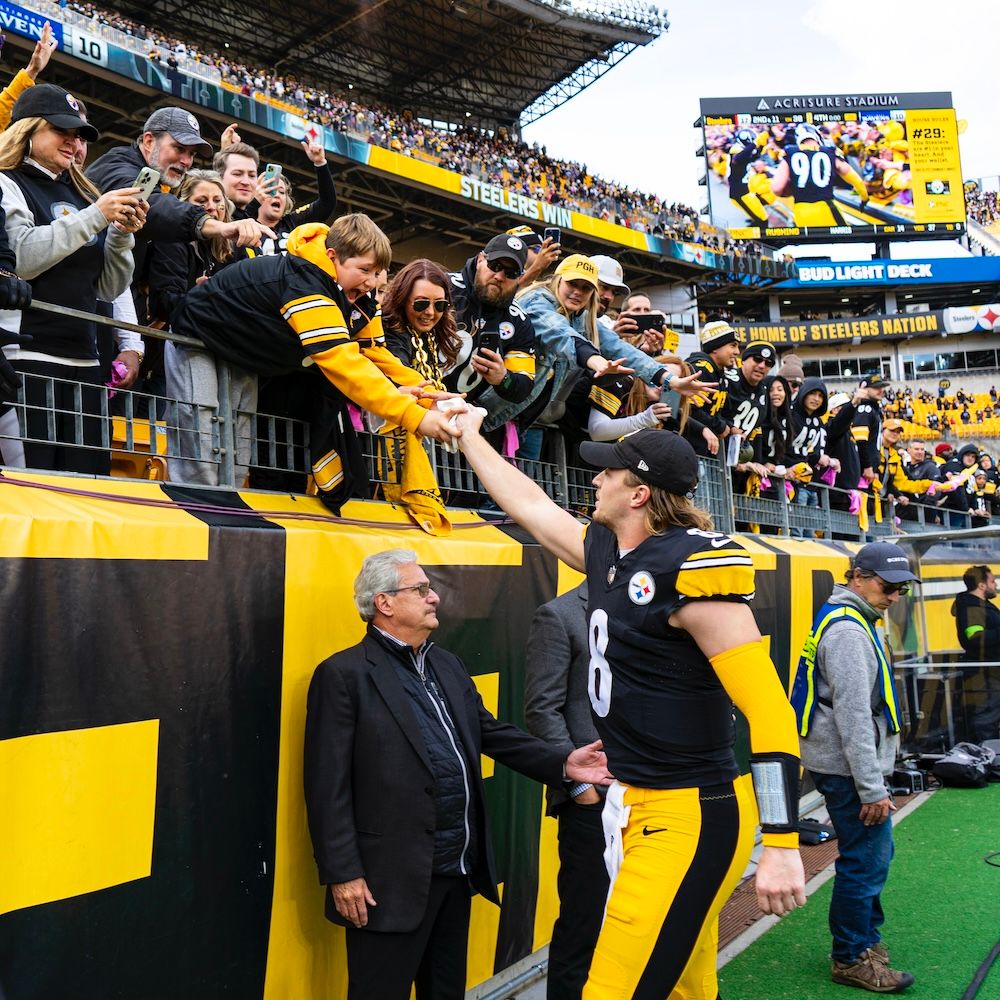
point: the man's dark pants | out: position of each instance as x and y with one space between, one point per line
583 892
383 966
861 870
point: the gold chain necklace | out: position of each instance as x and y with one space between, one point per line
428 366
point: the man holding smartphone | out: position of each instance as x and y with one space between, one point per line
498 340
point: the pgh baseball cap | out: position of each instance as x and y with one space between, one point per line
578 267
181 124
892 425
885 560
57 106
658 457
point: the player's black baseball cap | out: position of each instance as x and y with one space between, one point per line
658 457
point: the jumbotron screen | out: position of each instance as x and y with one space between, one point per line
834 165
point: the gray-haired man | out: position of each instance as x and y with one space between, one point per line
394 791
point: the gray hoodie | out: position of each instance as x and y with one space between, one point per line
844 739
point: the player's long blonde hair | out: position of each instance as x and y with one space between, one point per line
669 510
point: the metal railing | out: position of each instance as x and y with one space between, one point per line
144 433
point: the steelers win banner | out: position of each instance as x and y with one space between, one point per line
154 665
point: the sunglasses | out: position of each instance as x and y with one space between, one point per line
422 305
509 270
422 589
893 588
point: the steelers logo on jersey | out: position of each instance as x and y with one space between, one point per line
506 330
641 588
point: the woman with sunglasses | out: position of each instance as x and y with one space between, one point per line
419 321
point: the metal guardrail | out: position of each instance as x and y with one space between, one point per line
155 429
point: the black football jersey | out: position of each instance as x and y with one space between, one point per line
610 392
812 173
664 716
745 408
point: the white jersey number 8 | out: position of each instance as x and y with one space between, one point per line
599 679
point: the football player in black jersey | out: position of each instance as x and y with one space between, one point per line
807 174
673 644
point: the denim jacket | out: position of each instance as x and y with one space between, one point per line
613 347
557 343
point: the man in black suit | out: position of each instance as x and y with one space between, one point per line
557 710
394 793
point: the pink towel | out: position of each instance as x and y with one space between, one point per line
355 415
510 439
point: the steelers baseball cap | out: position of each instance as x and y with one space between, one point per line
181 124
658 457
760 349
504 247
57 106
578 267
837 399
892 425
527 235
874 381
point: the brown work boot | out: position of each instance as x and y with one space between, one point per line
880 952
871 973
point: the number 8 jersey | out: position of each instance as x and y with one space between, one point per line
664 716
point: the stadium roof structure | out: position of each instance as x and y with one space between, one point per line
486 62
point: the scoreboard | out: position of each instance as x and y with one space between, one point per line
822 167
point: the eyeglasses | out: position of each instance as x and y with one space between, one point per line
893 588
422 589
509 270
422 305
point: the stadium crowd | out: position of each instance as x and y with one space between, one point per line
983 206
497 158
532 336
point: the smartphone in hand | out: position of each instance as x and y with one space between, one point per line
553 233
147 180
489 341
271 174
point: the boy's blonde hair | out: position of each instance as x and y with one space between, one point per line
356 235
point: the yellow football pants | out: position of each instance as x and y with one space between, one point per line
685 851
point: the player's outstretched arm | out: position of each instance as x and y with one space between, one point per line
518 496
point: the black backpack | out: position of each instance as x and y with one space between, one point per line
966 765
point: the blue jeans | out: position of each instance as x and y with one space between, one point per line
804 497
861 870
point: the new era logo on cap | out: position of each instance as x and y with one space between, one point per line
641 466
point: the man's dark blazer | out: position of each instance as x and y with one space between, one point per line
368 780
557 668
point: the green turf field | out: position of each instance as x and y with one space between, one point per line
942 908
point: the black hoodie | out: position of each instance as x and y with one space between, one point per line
840 445
808 442
958 499
978 624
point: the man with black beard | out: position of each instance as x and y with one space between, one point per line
498 340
